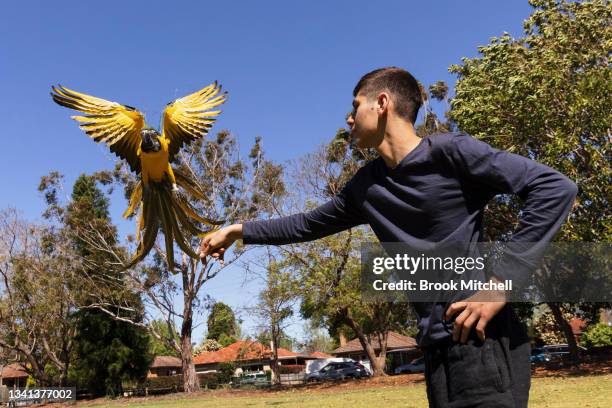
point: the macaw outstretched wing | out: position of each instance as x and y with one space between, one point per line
117 125
189 118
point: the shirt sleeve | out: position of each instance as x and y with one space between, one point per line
338 214
547 195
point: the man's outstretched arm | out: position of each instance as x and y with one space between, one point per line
338 214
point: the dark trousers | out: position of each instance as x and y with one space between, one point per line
494 373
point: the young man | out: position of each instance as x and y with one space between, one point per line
433 190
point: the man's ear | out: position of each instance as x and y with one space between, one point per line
382 102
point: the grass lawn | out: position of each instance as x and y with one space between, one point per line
550 392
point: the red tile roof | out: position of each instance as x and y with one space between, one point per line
578 325
15 370
394 341
320 354
242 350
284 353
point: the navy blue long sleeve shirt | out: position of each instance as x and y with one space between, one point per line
436 194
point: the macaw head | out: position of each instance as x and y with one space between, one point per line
150 140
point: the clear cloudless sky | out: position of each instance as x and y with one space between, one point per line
289 67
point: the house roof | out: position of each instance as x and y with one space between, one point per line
14 370
394 341
320 354
578 325
243 350
166 361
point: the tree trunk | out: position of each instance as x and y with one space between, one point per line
274 362
63 380
378 366
66 355
191 382
567 331
382 354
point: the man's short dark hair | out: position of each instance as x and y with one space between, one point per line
404 89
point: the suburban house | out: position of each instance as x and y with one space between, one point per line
400 350
164 366
13 376
250 356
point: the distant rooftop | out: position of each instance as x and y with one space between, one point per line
244 350
394 341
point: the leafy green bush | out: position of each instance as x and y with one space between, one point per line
226 372
169 381
209 380
225 340
597 335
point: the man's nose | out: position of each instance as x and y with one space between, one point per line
349 120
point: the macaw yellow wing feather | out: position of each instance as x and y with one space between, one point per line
117 125
190 117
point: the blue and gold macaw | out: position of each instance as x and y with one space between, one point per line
149 154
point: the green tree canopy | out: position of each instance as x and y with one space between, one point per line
106 350
222 325
161 347
548 96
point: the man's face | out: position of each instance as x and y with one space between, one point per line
363 122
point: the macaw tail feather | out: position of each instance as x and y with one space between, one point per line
135 199
169 216
171 211
188 184
188 210
168 232
150 211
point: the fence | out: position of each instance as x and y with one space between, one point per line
170 384
292 379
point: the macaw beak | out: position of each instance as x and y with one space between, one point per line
149 143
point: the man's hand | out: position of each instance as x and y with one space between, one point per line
477 310
216 244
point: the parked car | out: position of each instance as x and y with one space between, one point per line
415 366
338 371
255 378
560 351
551 352
539 355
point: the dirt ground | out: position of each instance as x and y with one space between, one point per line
585 368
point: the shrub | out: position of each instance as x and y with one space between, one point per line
209 380
169 381
226 372
597 335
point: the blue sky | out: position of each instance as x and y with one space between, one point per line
289 68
